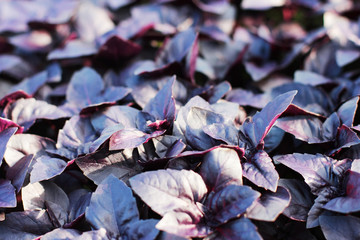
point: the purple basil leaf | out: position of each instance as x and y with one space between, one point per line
177 48
345 138
317 208
142 230
162 106
49 196
18 171
76 135
7 194
167 190
347 111
5 136
73 49
93 235
31 85
184 222
61 234
26 111
261 123
191 60
273 139
223 132
130 138
308 97
168 146
79 200
21 145
318 170
26 225
116 49
105 135
241 228
230 202
112 206
100 164
6 123
261 171
340 227
270 205
46 167
310 78
350 202
197 119
301 199
221 167
86 88
114 115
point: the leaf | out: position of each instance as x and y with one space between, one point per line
261 123
350 202
7 194
270 205
347 111
18 171
162 106
61 234
130 138
6 123
102 163
73 49
216 7
261 171
230 202
26 111
184 222
5 136
167 190
340 227
301 199
112 206
46 167
199 118
223 132
318 170
241 228
26 225
142 230
221 167
317 209
311 78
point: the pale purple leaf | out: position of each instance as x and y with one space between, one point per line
7 194
46 167
241 228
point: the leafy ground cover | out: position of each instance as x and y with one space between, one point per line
179 119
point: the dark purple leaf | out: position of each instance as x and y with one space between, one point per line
5 136
79 200
301 199
241 228
26 225
221 167
350 202
318 170
308 97
46 167
130 138
340 227
6 123
177 48
270 205
261 123
116 49
230 202
7 194
18 171
191 60
261 171
12 97
167 190
162 106
345 138
112 206
26 111
100 164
